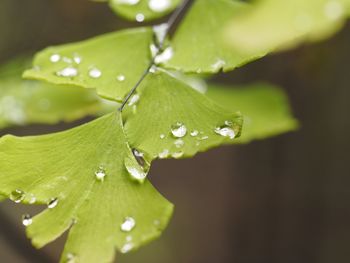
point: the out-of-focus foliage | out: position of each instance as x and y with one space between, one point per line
267 25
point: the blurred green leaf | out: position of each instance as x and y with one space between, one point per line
273 24
80 174
166 101
198 44
143 10
24 102
110 63
265 109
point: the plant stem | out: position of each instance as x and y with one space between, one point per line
171 23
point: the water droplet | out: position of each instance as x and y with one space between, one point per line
121 78
166 55
226 130
17 196
100 174
154 50
159 5
55 58
179 130
127 247
140 17
203 138
52 203
27 220
194 133
162 136
128 238
179 143
95 73
127 2
77 59
164 154
137 167
134 99
160 32
32 199
128 224
219 64
67 60
67 72
177 155
334 9
71 258
153 69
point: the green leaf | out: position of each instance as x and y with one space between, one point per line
119 57
198 43
2 198
265 109
275 24
25 102
165 101
143 10
63 166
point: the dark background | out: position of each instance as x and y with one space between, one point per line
285 199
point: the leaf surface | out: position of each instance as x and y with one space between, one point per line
147 9
265 109
111 63
62 167
166 101
198 43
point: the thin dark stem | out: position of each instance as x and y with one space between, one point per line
171 22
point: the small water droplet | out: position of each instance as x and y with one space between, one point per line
226 130
17 196
203 138
179 143
71 258
134 99
128 238
127 248
27 220
333 9
178 130
67 72
156 222
164 154
194 133
153 69
160 32
140 17
100 174
52 203
219 64
67 60
121 78
159 5
95 73
55 58
177 155
128 224
32 199
162 136
77 59
166 55
127 2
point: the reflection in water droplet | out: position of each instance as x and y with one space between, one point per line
128 224
166 55
164 154
135 170
17 196
100 174
159 5
178 130
55 58
52 203
226 130
127 247
95 73
27 220
140 17
67 72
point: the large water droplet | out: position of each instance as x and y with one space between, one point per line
67 72
52 203
137 166
17 196
100 174
178 130
226 130
128 224
95 73
166 55
27 220
55 58
127 247
159 5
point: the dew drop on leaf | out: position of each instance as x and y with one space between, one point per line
127 247
177 155
27 220
134 99
137 167
128 224
100 174
159 5
77 59
160 32
164 154
226 130
163 57
178 130
71 258
67 72
17 196
162 136
55 58
179 143
121 78
52 203
194 133
95 73
140 17
127 2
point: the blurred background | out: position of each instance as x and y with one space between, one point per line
285 199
